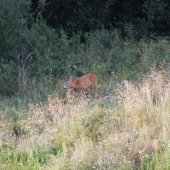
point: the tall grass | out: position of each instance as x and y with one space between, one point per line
127 129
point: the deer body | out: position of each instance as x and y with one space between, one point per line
82 83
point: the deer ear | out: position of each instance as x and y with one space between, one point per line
65 78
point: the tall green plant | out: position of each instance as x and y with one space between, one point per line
29 46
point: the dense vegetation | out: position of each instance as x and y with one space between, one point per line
124 126
41 38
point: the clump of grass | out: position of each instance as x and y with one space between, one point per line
145 108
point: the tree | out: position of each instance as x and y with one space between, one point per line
158 16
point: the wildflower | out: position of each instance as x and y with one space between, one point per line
123 82
113 124
116 108
109 110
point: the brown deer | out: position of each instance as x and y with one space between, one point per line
87 81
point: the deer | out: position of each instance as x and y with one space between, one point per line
88 81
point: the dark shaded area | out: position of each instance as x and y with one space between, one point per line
144 17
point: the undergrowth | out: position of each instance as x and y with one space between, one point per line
126 129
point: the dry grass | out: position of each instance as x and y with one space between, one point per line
123 131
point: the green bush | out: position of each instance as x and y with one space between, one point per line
32 51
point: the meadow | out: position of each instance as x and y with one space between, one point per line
126 129
125 125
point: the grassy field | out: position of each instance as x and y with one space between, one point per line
126 129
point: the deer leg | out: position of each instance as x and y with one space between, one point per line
92 89
83 94
70 96
100 87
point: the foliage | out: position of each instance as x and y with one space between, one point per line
31 50
144 18
158 15
88 14
126 126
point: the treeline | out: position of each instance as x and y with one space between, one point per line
133 18
47 39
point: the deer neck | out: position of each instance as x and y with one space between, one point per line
71 84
